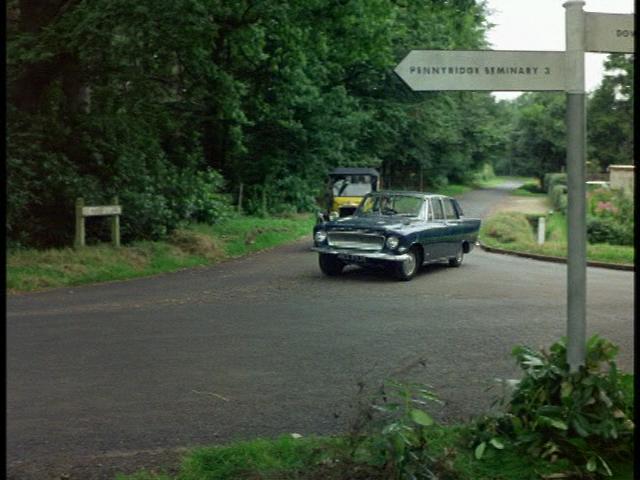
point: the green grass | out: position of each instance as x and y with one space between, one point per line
497 181
512 231
531 188
451 190
196 245
318 458
243 235
455 189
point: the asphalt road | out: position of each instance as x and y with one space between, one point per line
118 376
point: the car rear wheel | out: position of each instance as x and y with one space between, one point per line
408 268
457 260
330 264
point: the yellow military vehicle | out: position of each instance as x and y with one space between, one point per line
346 187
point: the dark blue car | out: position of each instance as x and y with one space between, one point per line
399 230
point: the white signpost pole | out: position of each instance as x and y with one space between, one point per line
576 190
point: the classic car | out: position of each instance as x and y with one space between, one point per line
398 230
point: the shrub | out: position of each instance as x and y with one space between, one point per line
558 197
610 217
397 440
584 417
508 227
608 230
552 179
485 173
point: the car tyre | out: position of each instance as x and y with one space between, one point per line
457 260
330 265
407 269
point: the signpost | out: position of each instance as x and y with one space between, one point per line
113 211
425 70
436 70
609 32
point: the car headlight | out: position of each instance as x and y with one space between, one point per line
393 242
320 236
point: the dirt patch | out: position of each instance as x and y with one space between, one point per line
532 205
197 244
100 467
252 235
135 257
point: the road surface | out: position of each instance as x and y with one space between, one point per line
123 375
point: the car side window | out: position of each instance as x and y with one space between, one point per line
438 213
458 208
449 209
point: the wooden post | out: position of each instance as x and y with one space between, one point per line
240 197
115 225
79 238
264 201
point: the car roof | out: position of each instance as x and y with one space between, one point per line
408 192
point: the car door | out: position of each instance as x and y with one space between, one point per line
434 235
454 228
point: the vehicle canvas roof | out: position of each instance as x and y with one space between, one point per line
354 171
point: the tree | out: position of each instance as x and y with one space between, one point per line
149 99
538 140
610 115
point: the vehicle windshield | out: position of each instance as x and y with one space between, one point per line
390 204
352 186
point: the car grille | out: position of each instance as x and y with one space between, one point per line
356 240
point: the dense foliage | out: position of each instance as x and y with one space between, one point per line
610 213
538 137
610 115
536 128
169 104
555 184
610 217
585 417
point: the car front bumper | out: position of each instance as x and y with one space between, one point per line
401 257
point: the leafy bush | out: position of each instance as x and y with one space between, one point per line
552 179
558 197
402 442
392 434
610 217
508 227
485 173
607 230
584 417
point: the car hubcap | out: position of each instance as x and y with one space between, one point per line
409 265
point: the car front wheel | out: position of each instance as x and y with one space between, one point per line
330 264
408 268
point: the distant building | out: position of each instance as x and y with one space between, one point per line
621 177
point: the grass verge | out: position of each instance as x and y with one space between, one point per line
452 190
316 458
195 245
455 189
530 188
512 231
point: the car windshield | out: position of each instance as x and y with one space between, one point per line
390 204
352 186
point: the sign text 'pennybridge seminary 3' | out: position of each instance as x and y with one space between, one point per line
491 70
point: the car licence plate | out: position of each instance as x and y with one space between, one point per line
352 258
